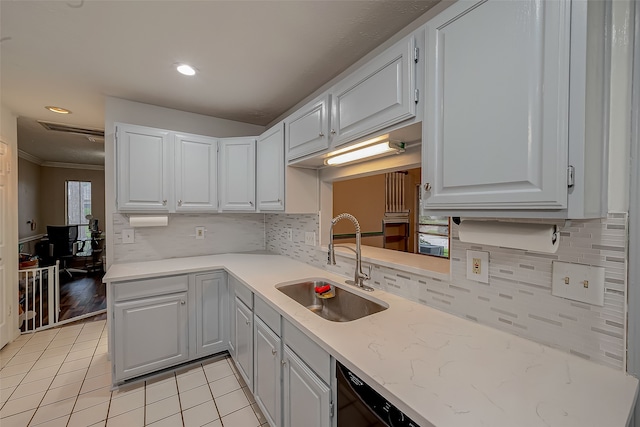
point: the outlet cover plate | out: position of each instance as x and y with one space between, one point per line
478 266
200 231
289 234
310 238
128 235
576 289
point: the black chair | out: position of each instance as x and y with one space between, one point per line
63 244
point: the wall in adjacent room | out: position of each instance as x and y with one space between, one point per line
29 200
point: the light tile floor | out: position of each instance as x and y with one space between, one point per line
61 377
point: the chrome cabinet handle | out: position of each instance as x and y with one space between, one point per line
182 302
251 203
427 187
274 351
247 322
179 202
333 131
321 134
164 202
283 363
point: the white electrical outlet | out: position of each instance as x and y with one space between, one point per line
578 282
289 234
478 266
310 238
128 235
200 233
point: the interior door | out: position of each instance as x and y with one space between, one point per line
5 312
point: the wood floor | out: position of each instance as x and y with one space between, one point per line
82 294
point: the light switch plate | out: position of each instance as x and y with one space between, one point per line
310 238
128 235
568 281
478 266
200 231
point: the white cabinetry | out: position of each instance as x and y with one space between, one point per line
307 398
150 320
210 298
237 174
267 374
270 169
307 130
244 341
195 173
503 111
378 95
143 168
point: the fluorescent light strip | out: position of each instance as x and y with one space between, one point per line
363 153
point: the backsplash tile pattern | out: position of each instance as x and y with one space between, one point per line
224 233
518 296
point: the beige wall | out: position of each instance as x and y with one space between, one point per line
29 199
52 193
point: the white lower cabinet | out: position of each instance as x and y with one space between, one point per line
307 399
150 334
210 298
244 341
267 371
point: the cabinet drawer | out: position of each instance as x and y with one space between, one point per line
149 287
243 293
268 315
312 354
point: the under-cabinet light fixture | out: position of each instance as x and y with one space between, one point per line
368 152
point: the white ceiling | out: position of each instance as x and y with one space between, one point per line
256 59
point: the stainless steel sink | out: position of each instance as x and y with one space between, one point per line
343 307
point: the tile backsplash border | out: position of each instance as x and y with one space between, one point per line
518 297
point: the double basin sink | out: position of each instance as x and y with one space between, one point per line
343 306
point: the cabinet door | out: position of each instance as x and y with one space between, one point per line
376 96
150 334
244 342
195 173
237 174
270 169
307 130
143 168
232 316
267 372
495 134
211 296
307 398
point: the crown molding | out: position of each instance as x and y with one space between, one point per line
30 157
72 166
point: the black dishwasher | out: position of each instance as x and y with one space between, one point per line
361 406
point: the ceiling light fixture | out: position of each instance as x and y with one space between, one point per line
185 69
58 110
369 152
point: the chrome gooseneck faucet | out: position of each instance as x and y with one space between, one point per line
359 276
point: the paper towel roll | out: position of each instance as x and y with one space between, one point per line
148 221
530 237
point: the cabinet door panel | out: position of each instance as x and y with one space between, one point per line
497 106
306 398
307 131
143 168
270 169
376 96
266 385
211 297
150 334
237 174
244 342
196 173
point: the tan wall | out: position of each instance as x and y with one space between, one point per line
52 196
29 199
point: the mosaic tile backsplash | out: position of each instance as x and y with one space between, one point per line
224 233
518 297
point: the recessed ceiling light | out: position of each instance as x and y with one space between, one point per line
185 69
58 110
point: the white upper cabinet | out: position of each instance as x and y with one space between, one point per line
270 169
143 168
501 81
378 95
195 173
237 178
307 130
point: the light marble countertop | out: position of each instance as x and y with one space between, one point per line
439 369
